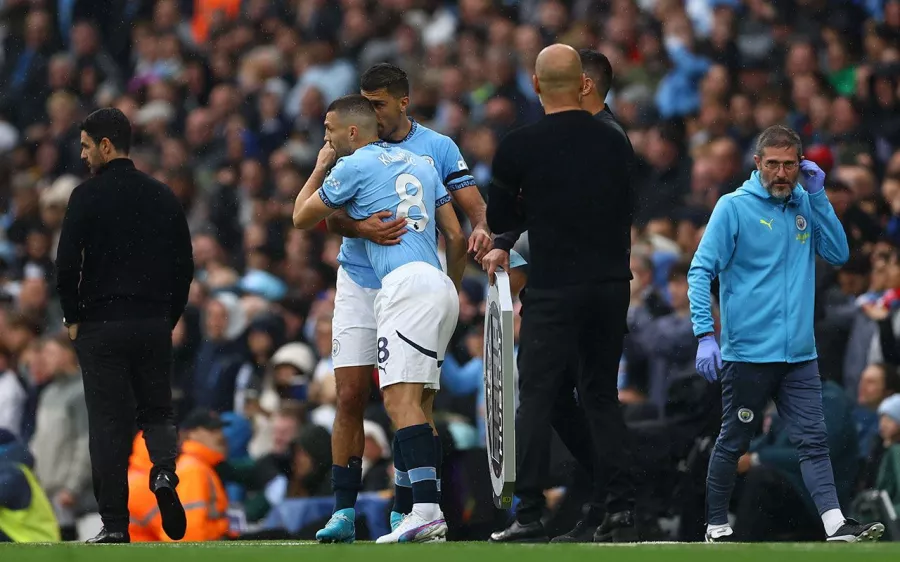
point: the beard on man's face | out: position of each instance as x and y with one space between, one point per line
779 186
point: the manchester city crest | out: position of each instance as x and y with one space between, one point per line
745 415
801 222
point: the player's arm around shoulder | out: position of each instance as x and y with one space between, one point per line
454 240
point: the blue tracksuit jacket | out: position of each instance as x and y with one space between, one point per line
763 251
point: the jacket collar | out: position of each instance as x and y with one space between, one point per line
202 453
754 186
117 164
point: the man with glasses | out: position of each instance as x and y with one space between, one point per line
762 242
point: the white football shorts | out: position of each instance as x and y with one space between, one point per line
416 310
353 327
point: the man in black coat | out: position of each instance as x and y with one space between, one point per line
125 267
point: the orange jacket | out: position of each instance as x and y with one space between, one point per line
205 12
142 507
199 488
202 493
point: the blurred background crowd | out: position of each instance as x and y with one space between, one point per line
227 100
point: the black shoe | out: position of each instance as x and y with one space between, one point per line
174 521
854 531
616 527
517 532
106 537
582 532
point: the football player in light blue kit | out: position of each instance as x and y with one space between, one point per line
354 350
417 306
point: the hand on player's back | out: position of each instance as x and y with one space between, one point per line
382 229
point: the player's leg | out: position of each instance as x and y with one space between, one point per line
428 396
413 315
799 401
403 497
353 355
746 389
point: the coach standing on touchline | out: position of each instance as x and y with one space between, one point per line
598 524
762 242
125 266
565 179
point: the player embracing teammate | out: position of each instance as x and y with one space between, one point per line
375 322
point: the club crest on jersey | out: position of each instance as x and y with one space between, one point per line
745 415
428 159
801 222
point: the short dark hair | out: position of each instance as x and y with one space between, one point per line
679 270
598 69
109 123
353 105
388 76
778 136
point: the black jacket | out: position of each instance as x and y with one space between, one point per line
125 249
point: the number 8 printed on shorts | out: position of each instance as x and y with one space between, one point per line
409 200
383 353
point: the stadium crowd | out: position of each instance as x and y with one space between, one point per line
227 100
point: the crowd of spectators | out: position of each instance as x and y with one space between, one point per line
227 100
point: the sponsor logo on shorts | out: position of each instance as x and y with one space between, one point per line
745 415
335 348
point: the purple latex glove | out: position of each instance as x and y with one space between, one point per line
812 178
709 358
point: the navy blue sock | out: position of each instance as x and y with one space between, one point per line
439 459
346 481
403 494
417 446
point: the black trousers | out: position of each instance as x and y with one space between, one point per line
126 367
571 338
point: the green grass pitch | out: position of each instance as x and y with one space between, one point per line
291 552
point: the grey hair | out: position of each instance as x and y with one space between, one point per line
778 136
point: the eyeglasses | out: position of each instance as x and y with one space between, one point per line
773 166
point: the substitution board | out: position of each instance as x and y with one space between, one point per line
499 391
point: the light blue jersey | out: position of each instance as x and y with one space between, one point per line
444 155
380 177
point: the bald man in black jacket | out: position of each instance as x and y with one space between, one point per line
610 515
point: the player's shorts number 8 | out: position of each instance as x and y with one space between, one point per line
383 352
409 200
